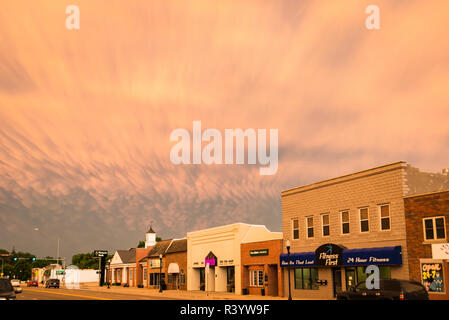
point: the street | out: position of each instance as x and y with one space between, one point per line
33 293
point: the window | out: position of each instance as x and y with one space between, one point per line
145 274
182 277
434 228
295 228
325 224
131 274
309 221
256 278
169 278
306 278
364 221
345 222
384 217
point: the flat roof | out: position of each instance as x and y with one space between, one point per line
426 193
348 176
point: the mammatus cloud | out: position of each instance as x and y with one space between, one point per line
86 115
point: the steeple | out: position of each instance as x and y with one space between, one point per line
150 237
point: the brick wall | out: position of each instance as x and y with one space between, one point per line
181 259
417 208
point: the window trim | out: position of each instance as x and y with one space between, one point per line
251 277
324 225
293 228
360 220
435 239
308 227
341 222
380 216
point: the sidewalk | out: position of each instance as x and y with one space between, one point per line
176 294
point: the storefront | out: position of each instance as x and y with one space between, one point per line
261 272
214 258
332 268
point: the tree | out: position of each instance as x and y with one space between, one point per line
141 244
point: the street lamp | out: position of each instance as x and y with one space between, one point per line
288 269
160 273
57 252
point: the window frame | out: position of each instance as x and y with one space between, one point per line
256 275
434 229
341 222
325 225
360 219
308 227
380 216
293 228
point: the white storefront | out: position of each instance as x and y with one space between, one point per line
220 248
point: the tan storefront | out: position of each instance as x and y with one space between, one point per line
219 248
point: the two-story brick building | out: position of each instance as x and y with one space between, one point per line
337 227
427 222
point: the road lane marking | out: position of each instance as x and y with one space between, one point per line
70 294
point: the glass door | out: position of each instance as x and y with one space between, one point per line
336 280
351 280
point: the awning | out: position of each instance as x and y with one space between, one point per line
376 256
350 257
302 259
173 268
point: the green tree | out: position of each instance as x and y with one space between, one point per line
141 244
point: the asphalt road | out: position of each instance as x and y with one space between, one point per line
33 293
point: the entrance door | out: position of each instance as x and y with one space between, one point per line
230 279
351 280
202 279
336 280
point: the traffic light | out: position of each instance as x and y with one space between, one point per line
15 258
33 259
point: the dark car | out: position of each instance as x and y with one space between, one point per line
389 289
6 290
52 283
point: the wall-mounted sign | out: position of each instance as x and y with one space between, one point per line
211 259
432 276
260 252
440 251
329 254
155 263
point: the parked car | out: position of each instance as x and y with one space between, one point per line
32 283
16 285
52 283
7 290
389 289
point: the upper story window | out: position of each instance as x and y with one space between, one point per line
309 221
385 217
345 222
364 219
325 223
434 228
295 228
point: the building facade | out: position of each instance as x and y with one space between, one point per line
337 227
122 267
261 270
214 256
427 222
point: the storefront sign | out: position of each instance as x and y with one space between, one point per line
329 255
261 252
349 257
155 263
375 256
432 276
440 251
210 259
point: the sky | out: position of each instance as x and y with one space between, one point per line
86 115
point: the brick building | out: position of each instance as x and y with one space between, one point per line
427 222
351 221
261 271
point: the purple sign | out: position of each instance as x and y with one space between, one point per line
211 259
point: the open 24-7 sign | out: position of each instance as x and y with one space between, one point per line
100 253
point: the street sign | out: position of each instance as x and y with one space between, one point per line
60 272
100 253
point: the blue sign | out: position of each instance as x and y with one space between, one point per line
376 256
350 257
